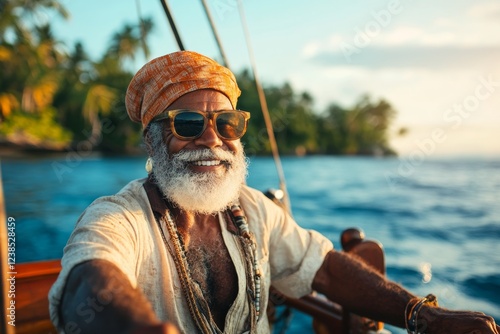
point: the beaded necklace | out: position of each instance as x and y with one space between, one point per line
197 305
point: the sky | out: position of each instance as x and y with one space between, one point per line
436 63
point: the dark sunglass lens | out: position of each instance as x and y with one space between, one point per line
188 124
231 125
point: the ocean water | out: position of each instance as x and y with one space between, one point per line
438 219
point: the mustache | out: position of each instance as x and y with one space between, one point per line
204 154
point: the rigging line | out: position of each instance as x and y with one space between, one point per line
265 111
214 31
170 18
142 30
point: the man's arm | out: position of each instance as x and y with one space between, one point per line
98 298
346 280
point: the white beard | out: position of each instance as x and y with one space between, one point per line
200 192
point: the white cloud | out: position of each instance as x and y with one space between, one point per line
314 47
444 22
311 49
411 35
449 42
426 57
402 35
488 10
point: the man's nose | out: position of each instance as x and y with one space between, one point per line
209 137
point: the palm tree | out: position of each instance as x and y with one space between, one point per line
125 43
43 79
109 72
38 81
30 58
99 101
18 15
146 26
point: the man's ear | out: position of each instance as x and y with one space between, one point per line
147 141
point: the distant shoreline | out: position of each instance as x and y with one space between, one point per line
12 151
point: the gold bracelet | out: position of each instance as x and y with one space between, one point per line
413 300
412 316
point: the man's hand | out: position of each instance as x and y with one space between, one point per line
347 281
436 320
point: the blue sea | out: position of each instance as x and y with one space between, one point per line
438 219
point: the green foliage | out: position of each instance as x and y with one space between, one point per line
87 94
35 130
360 130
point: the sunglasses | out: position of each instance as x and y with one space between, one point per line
190 124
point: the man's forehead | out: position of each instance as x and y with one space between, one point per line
205 99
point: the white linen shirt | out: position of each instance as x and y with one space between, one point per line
122 229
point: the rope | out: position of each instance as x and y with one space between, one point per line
265 111
214 31
166 9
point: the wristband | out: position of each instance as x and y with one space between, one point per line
413 308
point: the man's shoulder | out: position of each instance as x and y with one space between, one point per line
130 197
256 199
133 187
251 193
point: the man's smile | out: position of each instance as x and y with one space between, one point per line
206 162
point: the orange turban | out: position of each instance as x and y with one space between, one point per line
164 79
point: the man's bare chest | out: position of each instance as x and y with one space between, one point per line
212 269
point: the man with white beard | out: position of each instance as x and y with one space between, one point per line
192 249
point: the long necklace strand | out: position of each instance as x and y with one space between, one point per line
179 256
253 273
253 270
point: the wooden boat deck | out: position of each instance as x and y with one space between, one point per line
33 282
